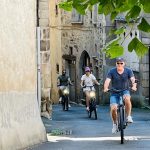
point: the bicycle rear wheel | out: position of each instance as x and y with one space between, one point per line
66 103
95 111
121 124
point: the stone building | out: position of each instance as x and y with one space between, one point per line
75 42
20 121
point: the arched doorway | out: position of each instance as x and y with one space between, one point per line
84 61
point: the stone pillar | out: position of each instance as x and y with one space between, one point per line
144 75
46 104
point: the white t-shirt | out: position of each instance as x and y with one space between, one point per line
88 81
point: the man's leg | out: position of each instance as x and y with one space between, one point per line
87 99
60 95
128 107
113 112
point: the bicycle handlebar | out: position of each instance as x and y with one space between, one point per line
65 85
118 91
115 90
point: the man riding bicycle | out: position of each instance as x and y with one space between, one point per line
119 77
88 79
62 81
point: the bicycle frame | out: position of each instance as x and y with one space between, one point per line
121 117
120 114
92 102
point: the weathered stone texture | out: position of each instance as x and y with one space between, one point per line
45 68
145 59
144 67
45 58
145 75
145 83
44 22
43 5
44 14
46 104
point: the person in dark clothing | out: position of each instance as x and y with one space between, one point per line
120 77
62 81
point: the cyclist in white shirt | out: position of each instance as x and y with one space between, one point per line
88 79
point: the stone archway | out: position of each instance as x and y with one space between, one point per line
84 61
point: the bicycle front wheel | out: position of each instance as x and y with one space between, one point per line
121 124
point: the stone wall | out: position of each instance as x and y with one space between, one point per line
20 124
144 75
144 63
46 104
55 46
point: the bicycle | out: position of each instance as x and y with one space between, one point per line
121 115
92 102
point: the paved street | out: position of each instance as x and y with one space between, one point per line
78 132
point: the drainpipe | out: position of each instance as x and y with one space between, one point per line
38 56
38 68
37 13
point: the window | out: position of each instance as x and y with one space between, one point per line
57 68
76 17
56 9
70 50
91 16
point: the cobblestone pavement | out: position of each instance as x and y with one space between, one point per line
73 130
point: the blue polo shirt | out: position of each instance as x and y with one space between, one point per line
120 81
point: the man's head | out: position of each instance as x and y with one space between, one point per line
120 62
63 72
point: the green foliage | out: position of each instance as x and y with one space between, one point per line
132 9
120 30
144 26
66 5
113 49
137 46
56 132
133 13
146 5
106 8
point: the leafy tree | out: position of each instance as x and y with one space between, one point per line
132 10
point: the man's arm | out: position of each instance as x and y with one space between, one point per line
106 84
134 84
58 81
70 81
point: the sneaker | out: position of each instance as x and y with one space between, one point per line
87 108
69 105
129 119
114 129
